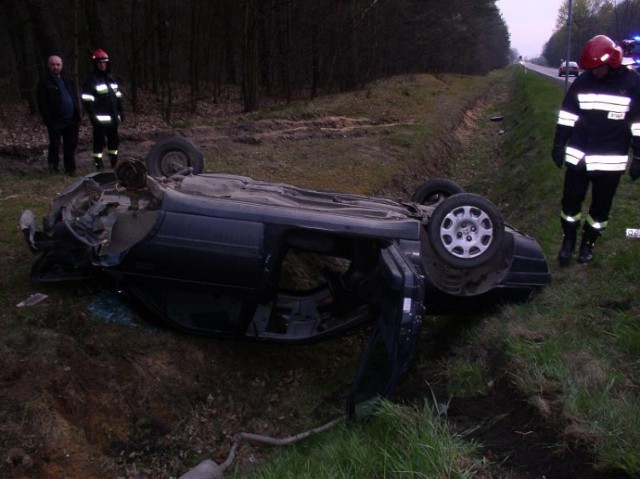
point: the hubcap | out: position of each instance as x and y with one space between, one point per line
466 232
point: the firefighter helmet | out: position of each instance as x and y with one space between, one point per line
600 50
99 55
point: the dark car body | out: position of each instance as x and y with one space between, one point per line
568 69
228 256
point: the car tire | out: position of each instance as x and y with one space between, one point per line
172 155
466 230
434 190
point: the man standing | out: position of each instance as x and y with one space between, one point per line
599 121
57 99
102 99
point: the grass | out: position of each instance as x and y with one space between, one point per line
578 344
423 447
404 117
573 351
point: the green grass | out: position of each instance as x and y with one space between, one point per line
579 343
396 442
467 377
407 119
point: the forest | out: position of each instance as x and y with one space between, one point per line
267 48
619 20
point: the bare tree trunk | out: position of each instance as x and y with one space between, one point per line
230 37
135 57
164 38
18 38
44 30
193 54
285 47
315 59
94 24
249 57
75 45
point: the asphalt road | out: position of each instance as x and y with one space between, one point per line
550 72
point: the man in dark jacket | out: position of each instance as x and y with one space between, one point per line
58 103
102 100
599 121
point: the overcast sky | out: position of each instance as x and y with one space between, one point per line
530 23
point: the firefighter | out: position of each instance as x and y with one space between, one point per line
598 123
102 100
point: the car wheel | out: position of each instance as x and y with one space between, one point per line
172 155
466 230
433 191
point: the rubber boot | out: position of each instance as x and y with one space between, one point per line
570 229
113 159
589 237
97 161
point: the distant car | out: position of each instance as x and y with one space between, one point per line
227 256
631 53
568 69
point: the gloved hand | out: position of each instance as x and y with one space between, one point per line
558 155
634 169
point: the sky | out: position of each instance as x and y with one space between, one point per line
530 23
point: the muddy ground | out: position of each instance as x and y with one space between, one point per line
128 399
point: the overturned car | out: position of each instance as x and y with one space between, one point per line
228 256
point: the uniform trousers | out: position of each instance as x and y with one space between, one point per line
110 132
603 188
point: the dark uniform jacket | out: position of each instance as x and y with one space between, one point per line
600 120
49 101
102 99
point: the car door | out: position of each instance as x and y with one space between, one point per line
399 321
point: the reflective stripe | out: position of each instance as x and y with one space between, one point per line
114 86
570 219
567 119
103 118
87 97
597 101
596 162
112 152
97 156
595 225
102 88
635 129
573 155
606 162
118 94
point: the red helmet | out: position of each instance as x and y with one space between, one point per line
99 55
600 50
